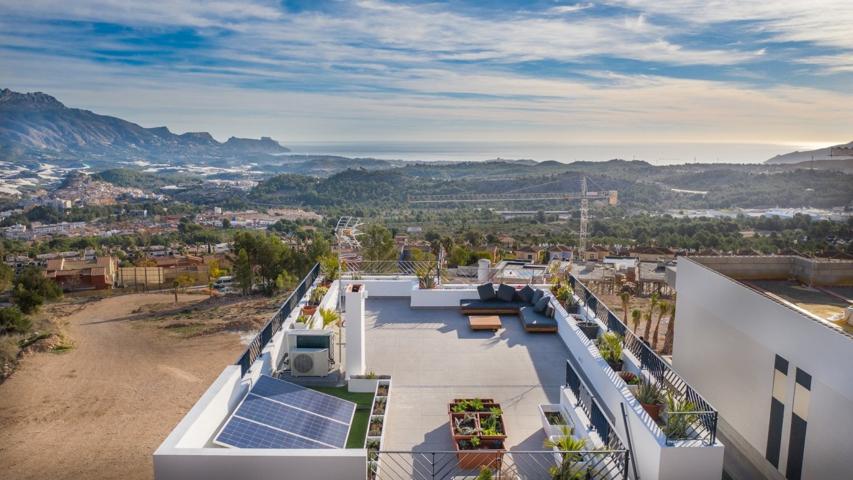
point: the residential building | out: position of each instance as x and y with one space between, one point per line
73 275
530 254
248 424
765 340
560 253
595 253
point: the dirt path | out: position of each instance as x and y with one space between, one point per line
101 409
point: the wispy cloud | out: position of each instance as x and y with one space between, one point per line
371 69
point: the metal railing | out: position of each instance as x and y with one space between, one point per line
600 419
503 465
699 422
253 350
355 268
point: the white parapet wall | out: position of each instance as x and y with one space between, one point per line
655 459
397 286
440 297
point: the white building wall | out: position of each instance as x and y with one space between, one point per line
726 339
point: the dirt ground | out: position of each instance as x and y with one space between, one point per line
101 408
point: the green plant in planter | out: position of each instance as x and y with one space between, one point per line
649 393
679 416
475 405
485 473
304 319
317 295
610 346
564 295
330 317
426 277
331 267
570 448
630 378
466 425
460 407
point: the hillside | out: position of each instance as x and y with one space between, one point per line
37 125
835 152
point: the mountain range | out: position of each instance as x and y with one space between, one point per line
37 126
835 152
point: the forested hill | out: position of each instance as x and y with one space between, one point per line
640 184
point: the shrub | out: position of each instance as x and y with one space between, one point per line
13 321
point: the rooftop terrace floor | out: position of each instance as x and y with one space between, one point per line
824 302
434 357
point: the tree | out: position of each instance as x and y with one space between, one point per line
649 315
33 289
377 243
670 332
626 301
663 309
13 321
243 272
7 275
181 283
635 319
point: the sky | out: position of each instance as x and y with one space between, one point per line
534 72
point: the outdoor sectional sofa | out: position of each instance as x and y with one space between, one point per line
531 305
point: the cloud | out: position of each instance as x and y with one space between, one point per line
376 69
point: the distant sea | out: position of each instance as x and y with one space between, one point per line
654 153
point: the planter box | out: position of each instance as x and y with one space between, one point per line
552 430
359 384
466 436
502 427
590 329
481 457
488 403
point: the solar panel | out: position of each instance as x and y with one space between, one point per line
304 398
279 414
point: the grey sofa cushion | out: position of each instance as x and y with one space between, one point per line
506 293
537 295
542 304
530 318
526 293
486 292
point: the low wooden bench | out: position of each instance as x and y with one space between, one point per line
484 322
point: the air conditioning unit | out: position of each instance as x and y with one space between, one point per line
309 352
309 362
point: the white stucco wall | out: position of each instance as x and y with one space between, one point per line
386 286
726 339
261 464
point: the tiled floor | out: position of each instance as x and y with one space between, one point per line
434 357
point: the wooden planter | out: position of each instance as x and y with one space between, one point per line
488 403
458 436
489 455
502 427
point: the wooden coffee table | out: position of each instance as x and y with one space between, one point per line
484 322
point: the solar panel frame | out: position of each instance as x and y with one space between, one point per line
241 425
298 396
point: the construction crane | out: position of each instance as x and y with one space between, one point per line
585 195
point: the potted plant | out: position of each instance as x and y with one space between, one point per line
314 300
426 277
375 428
492 425
382 390
475 453
610 346
678 417
650 397
569 451
331 268
632 380
464 425
373 449
564 295
588 327
379 406
552 419
302 322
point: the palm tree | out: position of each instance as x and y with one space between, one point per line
626 300
330 317
663 309
635 319
570 448
670 332
652 305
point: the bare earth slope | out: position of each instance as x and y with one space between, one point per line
101 409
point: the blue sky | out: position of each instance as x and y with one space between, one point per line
617 71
